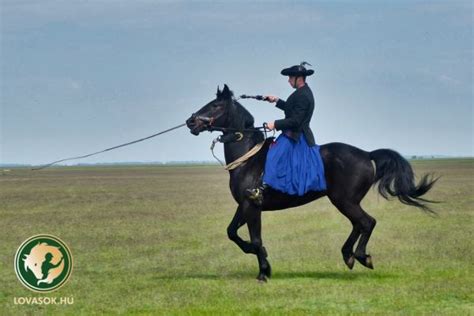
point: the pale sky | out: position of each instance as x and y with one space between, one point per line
81 76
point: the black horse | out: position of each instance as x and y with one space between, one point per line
349 175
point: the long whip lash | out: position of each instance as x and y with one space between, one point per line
111 148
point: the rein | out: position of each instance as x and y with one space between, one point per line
111 148
211 120
226 138
236 136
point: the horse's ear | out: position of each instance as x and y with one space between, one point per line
219 92
226 93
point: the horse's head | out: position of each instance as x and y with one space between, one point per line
38 255
214 114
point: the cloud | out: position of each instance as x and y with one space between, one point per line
28 14
74 84
445 79
147 14
35 85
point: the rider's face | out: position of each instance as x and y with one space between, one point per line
292 81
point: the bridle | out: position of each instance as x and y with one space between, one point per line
230 134
208 121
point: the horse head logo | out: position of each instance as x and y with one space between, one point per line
45 261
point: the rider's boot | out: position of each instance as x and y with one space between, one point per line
256 194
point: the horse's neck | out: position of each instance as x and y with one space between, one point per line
234 150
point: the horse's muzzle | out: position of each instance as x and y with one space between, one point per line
195 125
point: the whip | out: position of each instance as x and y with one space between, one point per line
256 97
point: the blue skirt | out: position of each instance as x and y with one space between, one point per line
294 167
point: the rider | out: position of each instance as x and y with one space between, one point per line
294 165
48 265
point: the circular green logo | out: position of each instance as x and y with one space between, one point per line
43 263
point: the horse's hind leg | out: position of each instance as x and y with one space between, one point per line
362 225
367 226
348 247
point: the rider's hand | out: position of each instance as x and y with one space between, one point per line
271 98
271 125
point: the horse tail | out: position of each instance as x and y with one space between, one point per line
395 177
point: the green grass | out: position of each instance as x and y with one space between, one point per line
152 240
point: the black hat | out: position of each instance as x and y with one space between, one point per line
298 70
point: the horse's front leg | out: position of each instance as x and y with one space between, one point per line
237 222
253 217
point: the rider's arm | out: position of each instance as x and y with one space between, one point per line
57 264
281 104
300 108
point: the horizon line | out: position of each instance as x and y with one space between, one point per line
202 162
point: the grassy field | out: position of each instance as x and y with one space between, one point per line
152 240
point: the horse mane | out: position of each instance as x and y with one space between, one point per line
241 117
244 120
238 116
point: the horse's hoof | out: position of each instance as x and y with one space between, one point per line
350 262
268 271
261 279
366 261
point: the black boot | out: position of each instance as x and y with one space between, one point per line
256 195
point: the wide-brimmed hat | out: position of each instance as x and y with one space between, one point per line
298 70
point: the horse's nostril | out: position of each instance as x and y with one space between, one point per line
191 121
